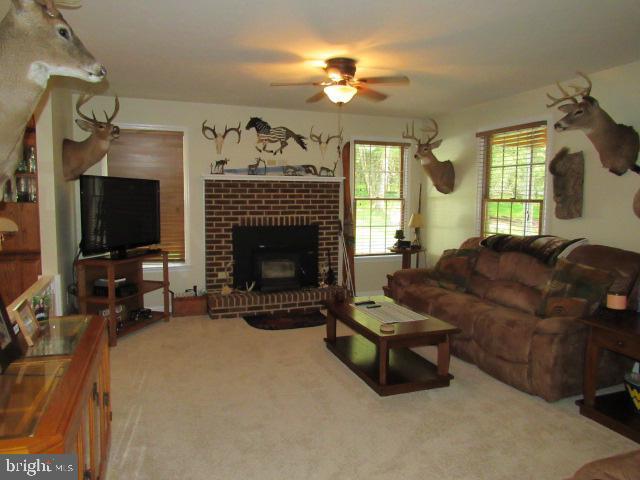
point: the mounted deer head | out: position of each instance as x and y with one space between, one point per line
78 157
323 144
219 138
36 43
441 174
616 144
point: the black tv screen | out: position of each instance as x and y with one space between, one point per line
118 213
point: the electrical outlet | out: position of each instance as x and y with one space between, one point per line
222 275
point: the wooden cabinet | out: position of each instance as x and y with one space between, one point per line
617 331
89 270
57 399
20 254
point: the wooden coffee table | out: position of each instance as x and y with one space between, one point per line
384 360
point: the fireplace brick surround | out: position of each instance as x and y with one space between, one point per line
266 201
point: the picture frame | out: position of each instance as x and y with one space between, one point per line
9 347
21 310
26 320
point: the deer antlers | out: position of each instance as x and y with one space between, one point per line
322 144
85 98
215 136
582 91
432 133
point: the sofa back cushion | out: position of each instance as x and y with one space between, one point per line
623 264
512 279
454 268
577 280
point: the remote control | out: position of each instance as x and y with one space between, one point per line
374 306
365 302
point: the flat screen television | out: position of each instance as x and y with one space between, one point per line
118 214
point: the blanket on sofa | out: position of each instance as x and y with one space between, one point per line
546 248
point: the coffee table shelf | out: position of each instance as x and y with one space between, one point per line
407 371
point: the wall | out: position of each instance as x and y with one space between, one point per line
607 216
199 153
56 197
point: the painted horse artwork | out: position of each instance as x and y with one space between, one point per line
267 135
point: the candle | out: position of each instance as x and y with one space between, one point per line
616 301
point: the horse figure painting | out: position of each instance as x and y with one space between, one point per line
267 135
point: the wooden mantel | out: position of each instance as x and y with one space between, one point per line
272 178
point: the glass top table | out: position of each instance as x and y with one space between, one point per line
27 385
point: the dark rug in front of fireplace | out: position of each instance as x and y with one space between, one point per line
285 321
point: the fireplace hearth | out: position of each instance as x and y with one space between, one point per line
275 258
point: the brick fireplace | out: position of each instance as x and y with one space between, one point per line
266 201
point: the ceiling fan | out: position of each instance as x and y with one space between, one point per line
341 83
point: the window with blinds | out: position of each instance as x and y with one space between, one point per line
156 155
378 195
513 163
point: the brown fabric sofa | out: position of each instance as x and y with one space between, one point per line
502 331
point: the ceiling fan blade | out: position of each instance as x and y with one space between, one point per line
398 80
371 94
316 98
294 84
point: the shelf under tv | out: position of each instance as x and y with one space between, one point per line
90 269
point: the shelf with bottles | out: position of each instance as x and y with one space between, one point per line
26 176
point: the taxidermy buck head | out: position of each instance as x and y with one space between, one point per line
36 42
78 157
218 138
616 144
441 174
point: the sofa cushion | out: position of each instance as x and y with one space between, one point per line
487 264
454 268
461 310
577 280
514 294
505 333
420 297
623 264
523 268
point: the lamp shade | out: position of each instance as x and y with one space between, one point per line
416 221
7 225
340 93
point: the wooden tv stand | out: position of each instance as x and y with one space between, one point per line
88 270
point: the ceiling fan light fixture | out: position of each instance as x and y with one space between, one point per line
340 93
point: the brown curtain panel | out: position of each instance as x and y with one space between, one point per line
156 155
348 229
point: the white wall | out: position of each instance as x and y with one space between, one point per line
200 152
56 197
607 216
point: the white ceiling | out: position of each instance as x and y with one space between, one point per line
456 52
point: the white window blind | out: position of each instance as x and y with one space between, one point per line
378 195
511 179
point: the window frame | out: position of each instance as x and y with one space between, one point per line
152 266
484 173
405 147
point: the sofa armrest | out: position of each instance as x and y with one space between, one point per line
559 326
410 276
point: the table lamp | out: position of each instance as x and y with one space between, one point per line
6 226
416 222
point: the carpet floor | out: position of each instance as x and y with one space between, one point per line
216 399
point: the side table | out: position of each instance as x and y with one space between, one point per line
618 331
406 255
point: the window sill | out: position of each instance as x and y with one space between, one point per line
386 257
173 267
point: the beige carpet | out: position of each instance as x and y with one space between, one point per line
203 399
